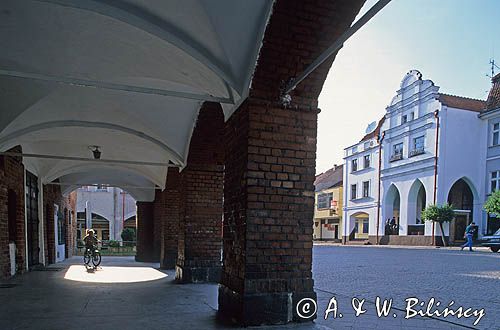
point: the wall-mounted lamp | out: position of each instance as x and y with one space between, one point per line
95 151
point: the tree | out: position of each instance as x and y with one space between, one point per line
128 236
440 214
492 204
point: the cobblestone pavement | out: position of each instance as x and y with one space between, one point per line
469 279
71 298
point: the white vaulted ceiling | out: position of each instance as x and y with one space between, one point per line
129 76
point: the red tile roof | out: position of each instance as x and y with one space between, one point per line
460 102
375 132
493 100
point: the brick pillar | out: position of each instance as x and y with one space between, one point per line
170 219
157 225
200 228
268 212
145 232
12 208
270 168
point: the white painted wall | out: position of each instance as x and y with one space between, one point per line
108 204
367 205
462 155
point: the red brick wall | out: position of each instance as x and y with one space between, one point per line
52 195
170 217
270 167
200 228
298 32
269 202
12 177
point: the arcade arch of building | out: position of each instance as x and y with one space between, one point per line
186 114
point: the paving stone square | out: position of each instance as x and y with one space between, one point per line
60 299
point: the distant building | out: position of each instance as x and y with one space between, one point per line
491 115
327 223
431 149
107 209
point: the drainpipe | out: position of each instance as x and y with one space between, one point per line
436 115
380 139
123 209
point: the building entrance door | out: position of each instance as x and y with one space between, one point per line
457 226
32 219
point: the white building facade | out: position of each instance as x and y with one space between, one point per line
109 205
429 148
491 115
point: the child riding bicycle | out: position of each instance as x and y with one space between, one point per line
90 240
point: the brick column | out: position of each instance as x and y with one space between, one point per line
268 212
170 219
145 232
200 228
270 168
12 207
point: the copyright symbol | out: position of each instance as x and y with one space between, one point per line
306 308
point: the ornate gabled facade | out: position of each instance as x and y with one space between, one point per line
430 150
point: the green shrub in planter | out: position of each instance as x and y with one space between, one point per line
128 236
113 243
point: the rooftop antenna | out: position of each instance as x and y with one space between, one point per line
493 66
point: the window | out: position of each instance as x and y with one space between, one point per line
366 145
397 152
366 188
61 229
418 143
404 119
496 133
366 225
324 201
398 149
353 191
354 165
418 146
366 161
354 150
412 116
495 181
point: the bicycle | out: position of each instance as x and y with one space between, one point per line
92 255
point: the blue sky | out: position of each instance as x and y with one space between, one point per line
448 41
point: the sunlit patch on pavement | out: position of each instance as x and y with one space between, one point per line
112 274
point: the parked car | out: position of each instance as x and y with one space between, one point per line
493 241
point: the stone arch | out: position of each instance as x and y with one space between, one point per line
460 189
392 207
463 197
417 200
102 226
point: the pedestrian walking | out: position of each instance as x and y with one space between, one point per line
469 233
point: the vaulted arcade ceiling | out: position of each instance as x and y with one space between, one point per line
128 76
